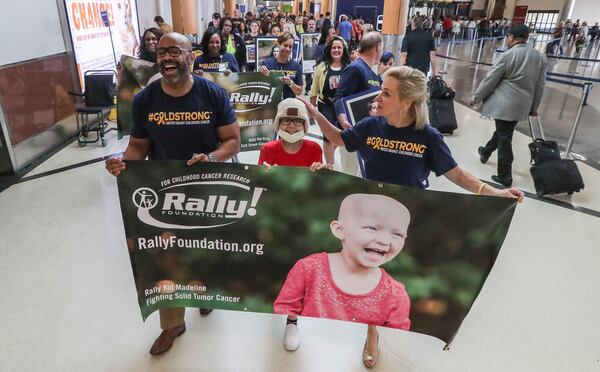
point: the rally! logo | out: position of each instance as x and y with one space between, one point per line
145 198
251 97
196 205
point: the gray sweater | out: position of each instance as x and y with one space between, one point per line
514 86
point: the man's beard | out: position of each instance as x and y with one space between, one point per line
182 70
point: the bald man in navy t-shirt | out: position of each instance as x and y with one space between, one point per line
179 117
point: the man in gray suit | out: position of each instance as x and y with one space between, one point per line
511 91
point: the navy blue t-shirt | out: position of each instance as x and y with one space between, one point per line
402 156
178 127
213 64
291 68
357 77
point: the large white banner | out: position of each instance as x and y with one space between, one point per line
91 38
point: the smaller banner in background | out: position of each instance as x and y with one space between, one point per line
359 106
250 53
254 98
264 48
309 49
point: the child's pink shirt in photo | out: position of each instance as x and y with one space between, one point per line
309 290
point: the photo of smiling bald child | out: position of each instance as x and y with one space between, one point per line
350 285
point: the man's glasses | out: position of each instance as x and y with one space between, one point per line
174 51
287 121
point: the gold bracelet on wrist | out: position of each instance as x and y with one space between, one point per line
480 188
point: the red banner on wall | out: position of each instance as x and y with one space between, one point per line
520 14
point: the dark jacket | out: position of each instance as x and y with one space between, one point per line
240 49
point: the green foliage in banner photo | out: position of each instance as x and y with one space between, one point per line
225 236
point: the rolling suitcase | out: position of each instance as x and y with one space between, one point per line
551 174
556 177
441 105
442 115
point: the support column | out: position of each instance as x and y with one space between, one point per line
324 7
159 8
207 8
305 6
333 10
395 16
229 7
567 10
185 15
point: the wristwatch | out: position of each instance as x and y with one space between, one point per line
211 158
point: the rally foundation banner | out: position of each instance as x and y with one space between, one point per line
254 98
322 244
134 76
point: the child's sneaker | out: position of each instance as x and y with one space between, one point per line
291 337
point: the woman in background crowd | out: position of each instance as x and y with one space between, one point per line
265 26
242 29
214 58
233 43
249 39
292 79
327 76
281 22
275 31
148 44
251 36
290 28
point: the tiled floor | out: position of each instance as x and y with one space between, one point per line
69 304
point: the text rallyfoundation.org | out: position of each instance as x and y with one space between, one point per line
217 244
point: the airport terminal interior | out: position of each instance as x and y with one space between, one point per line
69 299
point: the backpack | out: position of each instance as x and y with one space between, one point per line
439 89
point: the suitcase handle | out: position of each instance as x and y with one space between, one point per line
541 128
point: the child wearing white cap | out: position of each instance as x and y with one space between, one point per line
291 148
